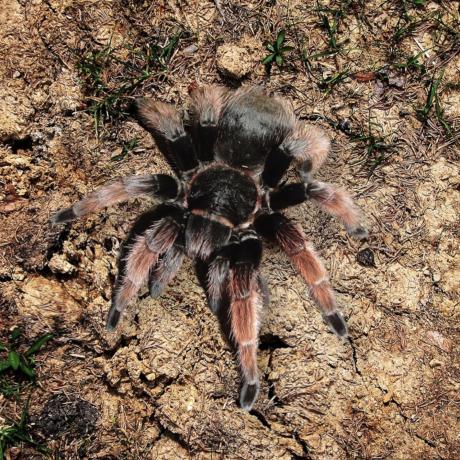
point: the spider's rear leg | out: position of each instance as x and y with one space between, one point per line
152 235
205 234
166 269
205 111
292 241
335 201
246 301
166 125
123 189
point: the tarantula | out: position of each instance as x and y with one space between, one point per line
230 155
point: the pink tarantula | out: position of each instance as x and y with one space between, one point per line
230 155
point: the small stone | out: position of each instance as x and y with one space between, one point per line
59 264
365 257
234 61
388 397
436 363
16 74
436 277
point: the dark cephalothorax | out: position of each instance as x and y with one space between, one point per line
230 159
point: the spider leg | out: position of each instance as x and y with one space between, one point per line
335 201
309 146
338 202
166 269
245 308
153 234
205 111
292 241
166 125
217 278
305 144
123 189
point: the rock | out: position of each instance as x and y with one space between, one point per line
436 363
59 264
46 301
238 60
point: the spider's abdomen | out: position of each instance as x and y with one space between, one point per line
223 192
250 126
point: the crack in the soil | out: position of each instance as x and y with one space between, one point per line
260 417
305 448
354 357
428 442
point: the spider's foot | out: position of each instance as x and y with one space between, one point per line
337 324
113 319
248 395
156 290
65 215
360 233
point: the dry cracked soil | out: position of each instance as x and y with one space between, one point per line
382 78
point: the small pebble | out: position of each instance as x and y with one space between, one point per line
365 257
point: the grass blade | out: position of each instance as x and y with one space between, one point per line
38 344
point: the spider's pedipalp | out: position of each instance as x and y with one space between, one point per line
276 165
167 128
291 239
160 185
205 111
152 235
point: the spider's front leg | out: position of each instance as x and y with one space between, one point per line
123 189
291 239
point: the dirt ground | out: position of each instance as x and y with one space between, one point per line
165 385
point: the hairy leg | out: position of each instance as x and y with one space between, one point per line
292 241
205 111
309 146
333 200
167 128
203 236
123 189
246 301
165 270
339 203
141 256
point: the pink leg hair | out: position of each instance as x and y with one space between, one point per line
160 118
309 144
245 307
207 102
141 258
292 240
123 189
338 202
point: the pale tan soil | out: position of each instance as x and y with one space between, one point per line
165 386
